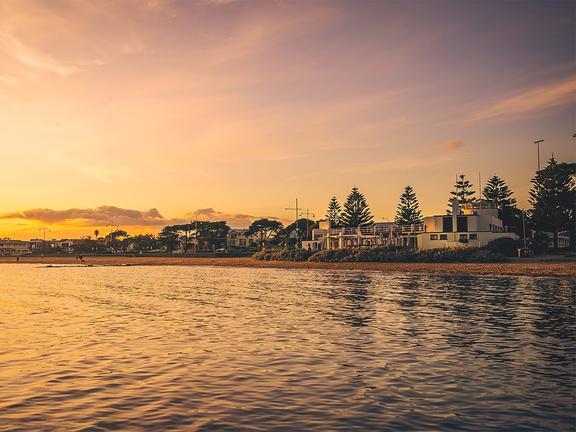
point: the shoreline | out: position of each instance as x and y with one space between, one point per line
527 268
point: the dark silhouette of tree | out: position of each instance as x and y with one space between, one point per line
333 214
304 227
462 191
168 239
264 229
497 192
96 234
553 199
211 235
408 209
356 211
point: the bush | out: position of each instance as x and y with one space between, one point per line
283 255
386 254
332 255
506 246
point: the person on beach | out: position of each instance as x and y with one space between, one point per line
17 258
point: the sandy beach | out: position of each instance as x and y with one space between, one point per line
525 268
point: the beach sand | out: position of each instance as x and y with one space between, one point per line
526 268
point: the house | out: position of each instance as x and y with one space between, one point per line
469 225
378 234
237 238
9 247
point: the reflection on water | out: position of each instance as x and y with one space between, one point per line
200 348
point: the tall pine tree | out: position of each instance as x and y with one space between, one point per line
462 191
356 211
333 214
497 192
408 210
553 199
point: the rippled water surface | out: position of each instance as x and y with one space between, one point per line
205 348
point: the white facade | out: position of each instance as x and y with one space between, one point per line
10 247
237 238
473 225
378 234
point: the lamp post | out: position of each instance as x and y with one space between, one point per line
538 142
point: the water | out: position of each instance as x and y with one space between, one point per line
204 348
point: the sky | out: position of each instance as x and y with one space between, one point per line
145 113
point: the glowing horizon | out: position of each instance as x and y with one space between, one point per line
229 110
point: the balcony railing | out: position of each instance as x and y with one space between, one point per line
374 231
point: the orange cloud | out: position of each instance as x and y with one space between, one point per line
450 145
94 217
234 219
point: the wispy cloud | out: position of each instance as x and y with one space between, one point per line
528 102
32 58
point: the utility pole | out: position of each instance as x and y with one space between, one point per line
296 209
524 229
538 150
308 214
44 230
479 186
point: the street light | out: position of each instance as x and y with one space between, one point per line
538 142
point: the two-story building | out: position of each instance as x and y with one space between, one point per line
237 238
9 247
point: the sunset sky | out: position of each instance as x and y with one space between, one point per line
229 109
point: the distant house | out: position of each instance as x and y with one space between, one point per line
237 238
469 225
9 247
563 239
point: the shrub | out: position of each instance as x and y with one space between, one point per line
332 255
506 246
283 255
385 254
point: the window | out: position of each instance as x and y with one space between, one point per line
473 236
447 224
463 237
443 236
462 224
433 236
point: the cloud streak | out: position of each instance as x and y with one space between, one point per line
528 102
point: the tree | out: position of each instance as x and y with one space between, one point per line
211 235
96 234
264 229
356 211
462 191
334 212
553 199
168 239
303 226
497 192
408 209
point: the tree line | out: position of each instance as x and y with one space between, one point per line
552 199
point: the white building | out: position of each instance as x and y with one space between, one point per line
472 225
237 238
10 247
